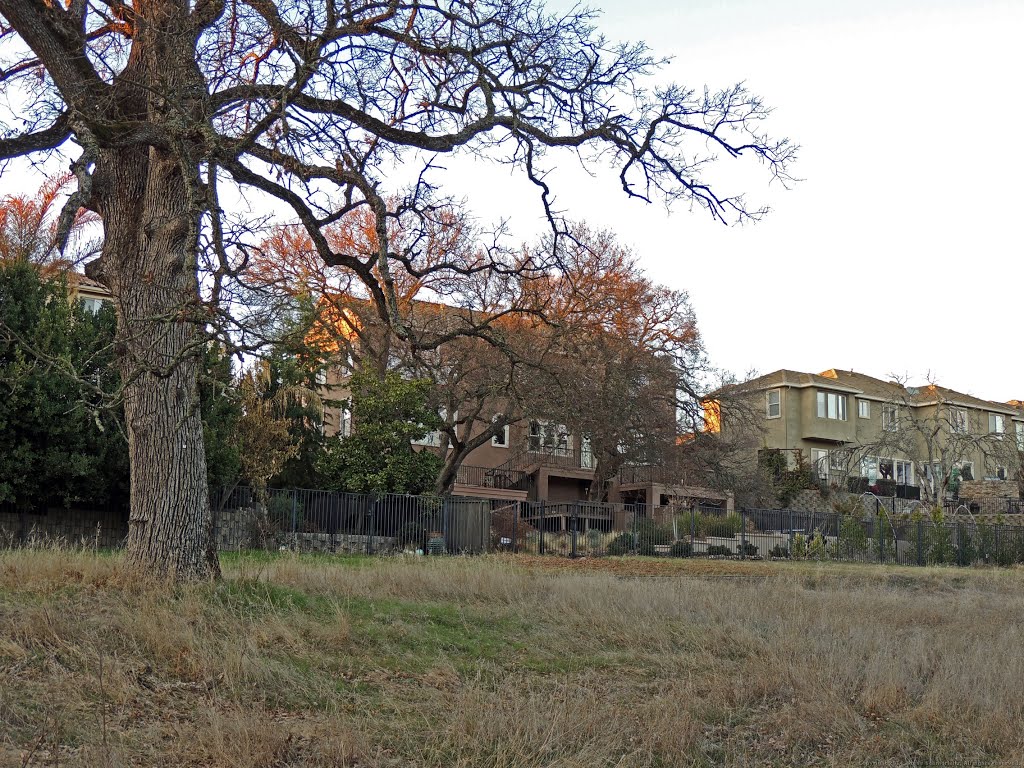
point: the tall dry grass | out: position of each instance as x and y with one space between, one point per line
478 662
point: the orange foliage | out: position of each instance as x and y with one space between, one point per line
28 225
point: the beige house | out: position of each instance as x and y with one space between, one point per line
842 424
91 293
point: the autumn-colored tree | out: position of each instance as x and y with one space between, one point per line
629 351
186 115
29 227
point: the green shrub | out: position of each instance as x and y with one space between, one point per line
643 537
748 549
779 550
716 550
940 544
857 485
681 549
799 548
885 487
621 544
724 527
816 547
853 538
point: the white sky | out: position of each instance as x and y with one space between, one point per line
899 251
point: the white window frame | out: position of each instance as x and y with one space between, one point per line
838 461
890 417
959 420
777 403
904 467
997 424
892 468
863 408
344 421
505 435
832 405
869 467
821 462
554 440
1020 435
433 438
91 305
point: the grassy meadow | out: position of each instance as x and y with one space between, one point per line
316 661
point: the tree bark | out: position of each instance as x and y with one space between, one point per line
148 260
145 196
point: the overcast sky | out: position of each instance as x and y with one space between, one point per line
900 251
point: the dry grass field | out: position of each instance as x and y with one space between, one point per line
305 661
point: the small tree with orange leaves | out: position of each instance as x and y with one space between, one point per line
29 227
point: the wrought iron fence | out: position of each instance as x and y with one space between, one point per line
325 521
328 521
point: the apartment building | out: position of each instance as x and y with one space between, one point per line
845 424
530 459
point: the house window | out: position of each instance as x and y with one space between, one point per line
958 421
344 422
863 409
838 460
1000 473
890 418
1020 437
819 462
869 468
433 439
966 470
831 406
501 439
546 437
996 424
904 472
92 306
774 403
886 470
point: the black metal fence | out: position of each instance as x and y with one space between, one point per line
326 521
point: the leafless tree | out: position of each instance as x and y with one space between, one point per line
187 115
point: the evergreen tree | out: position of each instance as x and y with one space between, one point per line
60 440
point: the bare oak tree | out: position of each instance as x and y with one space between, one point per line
187 113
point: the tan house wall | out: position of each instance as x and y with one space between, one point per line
799 427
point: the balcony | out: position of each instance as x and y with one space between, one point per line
493 477
647 475
540 453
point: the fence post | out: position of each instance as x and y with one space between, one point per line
295 519
445 522
791 533
540 544
515 527
920 548
575 523
693 525
743 533
371 518
881 541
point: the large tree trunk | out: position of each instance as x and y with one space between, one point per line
149 258
151 224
